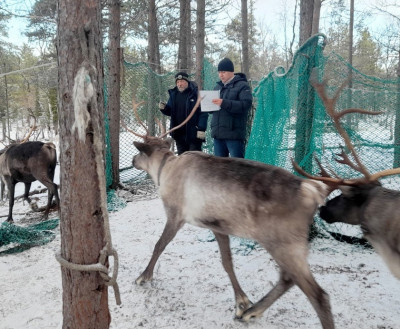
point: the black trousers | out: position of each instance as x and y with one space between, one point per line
182 145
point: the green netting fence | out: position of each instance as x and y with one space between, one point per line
287 121
141 84
290 119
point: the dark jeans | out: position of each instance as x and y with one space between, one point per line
226 147
182 145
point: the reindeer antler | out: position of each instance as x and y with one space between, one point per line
196 106
136 113
161 126
32 128
330 104
164 133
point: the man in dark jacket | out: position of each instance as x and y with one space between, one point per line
182 99
228 125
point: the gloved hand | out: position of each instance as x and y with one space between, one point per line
161 105
201 135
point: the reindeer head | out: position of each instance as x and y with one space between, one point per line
151 152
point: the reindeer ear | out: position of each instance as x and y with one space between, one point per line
346 190
143 147
169 140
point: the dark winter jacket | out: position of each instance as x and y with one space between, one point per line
231 120
197 123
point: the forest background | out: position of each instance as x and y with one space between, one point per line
164 34
258 36
28 33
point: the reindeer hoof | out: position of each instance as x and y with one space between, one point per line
34 206
242 307
248 315
141 280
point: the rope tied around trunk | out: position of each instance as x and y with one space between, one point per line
98 267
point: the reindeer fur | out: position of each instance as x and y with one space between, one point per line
376 209
232 196
27 163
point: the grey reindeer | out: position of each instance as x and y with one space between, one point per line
249 199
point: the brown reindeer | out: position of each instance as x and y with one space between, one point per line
363 200
27 162
249 199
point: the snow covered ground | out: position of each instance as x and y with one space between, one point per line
190 289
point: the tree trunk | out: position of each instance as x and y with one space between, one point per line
396 160
200 40
306 20
154 62
153 49
351 31
245 40
83 195
188 31
184 36
114 83
5 116
316 16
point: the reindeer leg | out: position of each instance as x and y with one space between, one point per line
54 188
2 187
11 191
51 191
295 270
283 285
318 297
50 195
171 228
26 193
242 301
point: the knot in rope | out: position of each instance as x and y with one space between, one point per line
98 267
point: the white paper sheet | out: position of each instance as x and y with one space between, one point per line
206 102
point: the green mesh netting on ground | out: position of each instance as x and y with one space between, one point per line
15 238
114 203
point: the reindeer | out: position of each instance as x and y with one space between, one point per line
249 199
363 201
27 162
